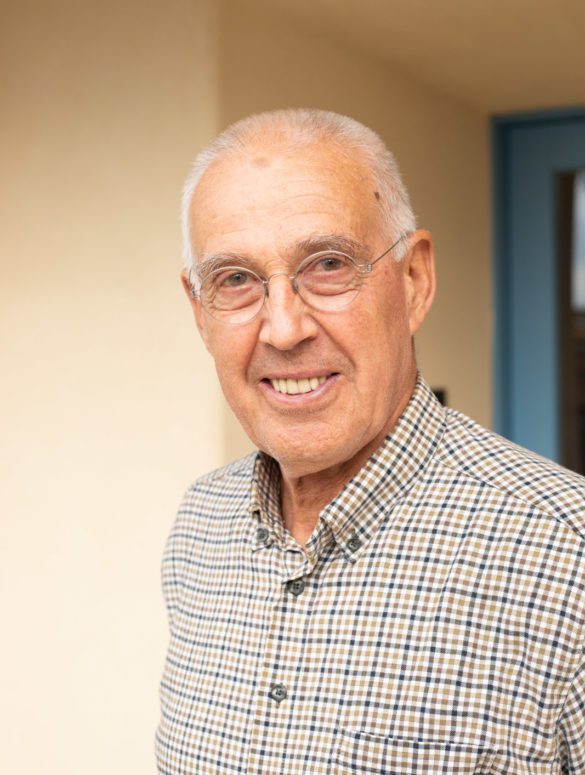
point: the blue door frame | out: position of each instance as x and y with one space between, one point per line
527 150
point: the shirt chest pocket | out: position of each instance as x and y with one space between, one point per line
360 752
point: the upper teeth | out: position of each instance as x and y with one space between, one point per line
294 386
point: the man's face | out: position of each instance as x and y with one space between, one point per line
262 207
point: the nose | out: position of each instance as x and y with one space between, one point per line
286 319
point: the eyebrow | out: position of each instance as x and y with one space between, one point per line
302 249
337 242
210 263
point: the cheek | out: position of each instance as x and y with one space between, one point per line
231 350
384 321
395 320
384 343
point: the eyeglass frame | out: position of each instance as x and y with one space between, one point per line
364 269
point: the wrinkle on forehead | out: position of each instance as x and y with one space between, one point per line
269 199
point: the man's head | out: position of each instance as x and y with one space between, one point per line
269 191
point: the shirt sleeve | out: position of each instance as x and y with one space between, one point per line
170 582
571 727
175 557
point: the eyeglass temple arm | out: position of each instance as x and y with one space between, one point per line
194 291
385 253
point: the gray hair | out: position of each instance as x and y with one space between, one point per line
302 127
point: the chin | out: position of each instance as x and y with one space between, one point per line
305 456
292 454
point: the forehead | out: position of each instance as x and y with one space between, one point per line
269 198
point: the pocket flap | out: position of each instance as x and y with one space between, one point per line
365 753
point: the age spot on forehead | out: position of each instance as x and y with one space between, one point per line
261 161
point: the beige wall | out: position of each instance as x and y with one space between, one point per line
109 406
268 60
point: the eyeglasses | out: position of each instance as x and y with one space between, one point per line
327 281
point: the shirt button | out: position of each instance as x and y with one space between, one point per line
262 535
295 587
277 692
354 544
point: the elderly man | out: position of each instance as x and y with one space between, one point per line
385 587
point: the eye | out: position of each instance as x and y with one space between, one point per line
329 263
328 274
231 288
328 268
229 281
232 278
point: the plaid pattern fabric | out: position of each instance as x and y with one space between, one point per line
433 624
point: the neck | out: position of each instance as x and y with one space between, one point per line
304 497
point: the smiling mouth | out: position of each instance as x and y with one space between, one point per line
292 387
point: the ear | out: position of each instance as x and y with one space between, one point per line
419 277
196 307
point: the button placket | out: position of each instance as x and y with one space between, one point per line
277 685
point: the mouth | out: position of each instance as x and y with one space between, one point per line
293 387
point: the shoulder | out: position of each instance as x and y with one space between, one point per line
514 472
230 475
219 488
212 503
205 519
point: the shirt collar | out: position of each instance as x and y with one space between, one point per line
357 512
265 498
354 516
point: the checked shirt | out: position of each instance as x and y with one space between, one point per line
434 623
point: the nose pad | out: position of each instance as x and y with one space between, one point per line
292 278
281 295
